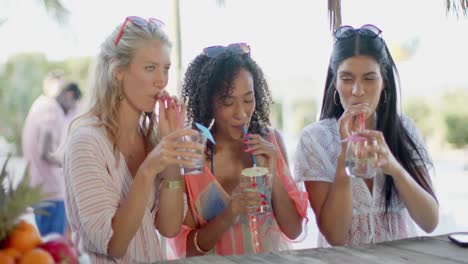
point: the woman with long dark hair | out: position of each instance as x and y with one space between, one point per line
362 81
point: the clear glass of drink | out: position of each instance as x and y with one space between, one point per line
197 168
358 159
257 179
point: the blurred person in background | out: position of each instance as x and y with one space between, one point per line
44 131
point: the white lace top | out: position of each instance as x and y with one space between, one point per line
316 158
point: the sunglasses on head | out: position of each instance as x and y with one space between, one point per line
236 48
366 31
138 21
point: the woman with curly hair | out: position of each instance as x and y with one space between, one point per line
224 84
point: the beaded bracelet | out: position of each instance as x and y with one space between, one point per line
195 243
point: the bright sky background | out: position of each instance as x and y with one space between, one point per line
289 39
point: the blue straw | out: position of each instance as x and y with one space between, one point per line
254 159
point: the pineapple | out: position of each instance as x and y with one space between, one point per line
14 202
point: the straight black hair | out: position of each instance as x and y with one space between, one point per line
388 121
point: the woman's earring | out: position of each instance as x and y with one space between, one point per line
118 87
334 99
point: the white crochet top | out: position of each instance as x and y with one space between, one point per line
316 160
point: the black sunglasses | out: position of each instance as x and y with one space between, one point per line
236 48
367 31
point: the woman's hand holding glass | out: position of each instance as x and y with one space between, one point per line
358 159
244 202
384 158
172 151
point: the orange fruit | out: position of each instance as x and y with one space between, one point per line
12 252
5 259
24 237
37 256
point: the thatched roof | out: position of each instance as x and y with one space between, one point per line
457 7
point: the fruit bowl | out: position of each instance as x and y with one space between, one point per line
20 241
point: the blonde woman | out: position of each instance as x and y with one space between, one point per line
122 159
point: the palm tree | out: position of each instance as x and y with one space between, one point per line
54 8
178 41
457 7
177 44
334 14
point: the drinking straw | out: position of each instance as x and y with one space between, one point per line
206 132
363 121
254 159
176 108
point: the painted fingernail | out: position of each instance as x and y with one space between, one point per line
245 140
264 203
262 195
259 210
246 149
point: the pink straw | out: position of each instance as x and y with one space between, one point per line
363 121
176 108
355 137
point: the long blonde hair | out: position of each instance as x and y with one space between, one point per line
105 92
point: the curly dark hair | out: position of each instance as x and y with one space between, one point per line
208 77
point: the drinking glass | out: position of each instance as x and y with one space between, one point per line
256 179
358 161
197 168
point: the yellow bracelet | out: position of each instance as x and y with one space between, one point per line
173 184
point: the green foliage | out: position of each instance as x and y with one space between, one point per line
15 201
457 129
21 83
305 113
423 114
456 117
276 115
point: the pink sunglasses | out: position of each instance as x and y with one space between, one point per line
141 22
